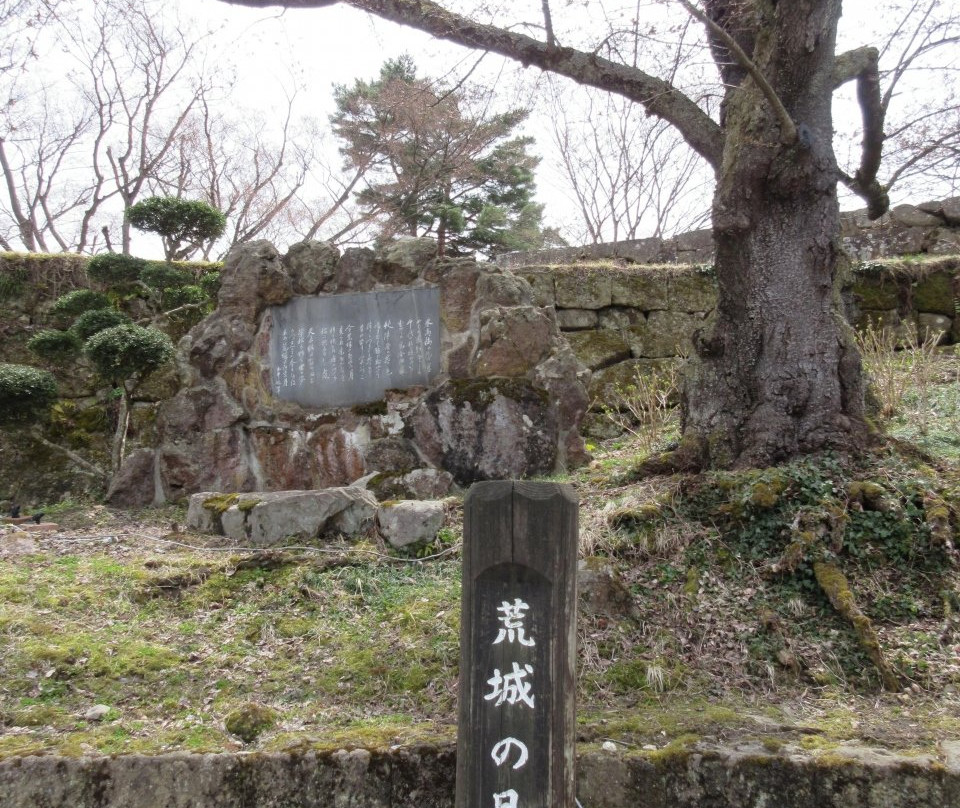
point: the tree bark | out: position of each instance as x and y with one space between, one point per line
779 375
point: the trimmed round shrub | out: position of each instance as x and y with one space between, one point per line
55 345
159 275
177 221
124 350
26 393
115 269
75 303
91 322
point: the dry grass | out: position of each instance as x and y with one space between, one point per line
645 407
350 648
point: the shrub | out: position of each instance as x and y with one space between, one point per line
79 301
115 269
182 296
55 345
127 350
12 282
178 222
26 393
210 283
92 322
160 275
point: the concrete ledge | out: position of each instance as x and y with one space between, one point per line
742 776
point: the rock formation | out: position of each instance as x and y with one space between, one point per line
507 402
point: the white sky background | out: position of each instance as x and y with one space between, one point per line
311 50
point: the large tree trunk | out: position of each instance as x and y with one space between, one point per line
779 374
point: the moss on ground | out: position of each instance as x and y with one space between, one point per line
725 632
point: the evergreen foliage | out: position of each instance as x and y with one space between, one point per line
54 345
26 393
115 269
187 295
128 350
75 303
183 224
92 322
161 275
439 163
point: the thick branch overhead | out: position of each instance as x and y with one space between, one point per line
862 64
659 97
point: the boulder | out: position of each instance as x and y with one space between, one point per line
646 290
355 271
500 288
934 324
513 340
488 429
601 590
945 242
457 280
402 261
934 294
599 349
407 523
312 266
577 319
950 210
692 291
541 282
426 483
392 453
911 216
253 277
664 334
618 318
135 482
876 292
695 246
263 519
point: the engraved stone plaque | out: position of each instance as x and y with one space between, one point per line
348 349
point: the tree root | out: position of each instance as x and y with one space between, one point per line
836 587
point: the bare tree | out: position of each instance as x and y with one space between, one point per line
143 113
25 175
777 373
628 175
40 201
913 127
20 24
240 167
141 77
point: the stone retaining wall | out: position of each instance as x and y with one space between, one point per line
744 776
621 318
212 424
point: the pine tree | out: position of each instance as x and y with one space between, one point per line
437 163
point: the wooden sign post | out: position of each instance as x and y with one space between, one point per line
518 647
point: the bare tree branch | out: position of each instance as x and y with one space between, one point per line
862 64
659 97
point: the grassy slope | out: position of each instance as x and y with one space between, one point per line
708 631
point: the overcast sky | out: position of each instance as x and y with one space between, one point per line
311 50
339 44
